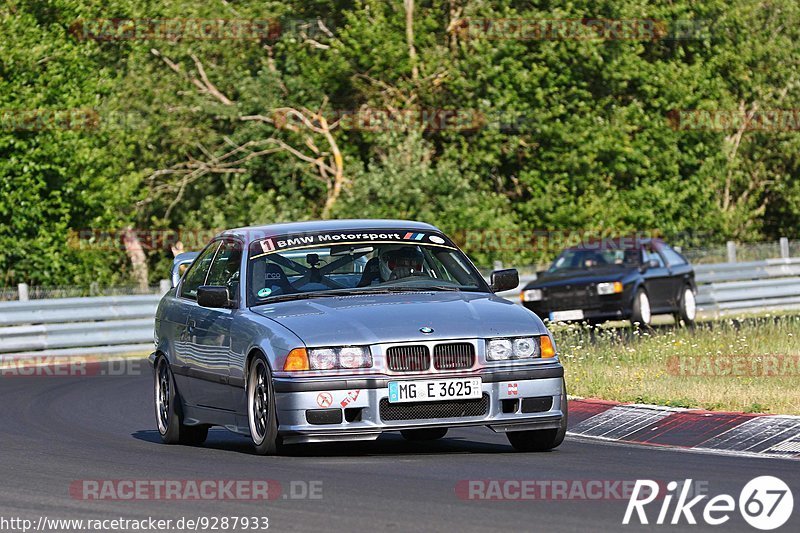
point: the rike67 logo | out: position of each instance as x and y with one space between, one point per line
765 503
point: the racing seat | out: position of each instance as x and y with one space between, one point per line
276 279
372 273
269 276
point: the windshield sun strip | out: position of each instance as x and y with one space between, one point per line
305 247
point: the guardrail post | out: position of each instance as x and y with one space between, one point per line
784 248
731 252
164 286
22 291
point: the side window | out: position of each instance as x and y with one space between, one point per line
225 268
652 255
197 273
673 257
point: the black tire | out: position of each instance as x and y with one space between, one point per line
542 440
423 434
169 417
261 413
687 307
641 309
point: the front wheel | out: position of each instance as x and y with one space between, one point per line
261 408
641 309
423 434
687 310
542 440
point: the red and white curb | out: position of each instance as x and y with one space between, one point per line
695 429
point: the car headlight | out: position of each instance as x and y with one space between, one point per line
355 357
342 357
322 359
512 348
531 295
609 288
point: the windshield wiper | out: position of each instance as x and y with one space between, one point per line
334 293
427 288
313 294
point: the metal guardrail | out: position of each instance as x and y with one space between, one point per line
77 326
770 285
124 324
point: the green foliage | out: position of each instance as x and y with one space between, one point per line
576 136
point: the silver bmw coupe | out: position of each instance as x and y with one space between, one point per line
346 329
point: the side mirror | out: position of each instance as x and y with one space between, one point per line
505 280
213 296
648 265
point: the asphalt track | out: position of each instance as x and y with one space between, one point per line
57 430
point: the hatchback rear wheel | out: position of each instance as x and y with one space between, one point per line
687 310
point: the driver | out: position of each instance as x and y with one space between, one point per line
400 262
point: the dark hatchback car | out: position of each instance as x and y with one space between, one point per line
619 279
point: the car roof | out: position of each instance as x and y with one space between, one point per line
260 232
619 243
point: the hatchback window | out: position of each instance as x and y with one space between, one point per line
673 257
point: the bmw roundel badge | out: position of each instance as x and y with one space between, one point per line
426 330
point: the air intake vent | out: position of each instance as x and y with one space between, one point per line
408 358
454 356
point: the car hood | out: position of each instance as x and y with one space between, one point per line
379 318
580 277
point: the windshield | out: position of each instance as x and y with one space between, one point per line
294 267
595 259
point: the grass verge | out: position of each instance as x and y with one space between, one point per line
747 365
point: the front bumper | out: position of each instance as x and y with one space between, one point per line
351 409
611 310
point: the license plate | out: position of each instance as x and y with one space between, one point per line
575 314
434 390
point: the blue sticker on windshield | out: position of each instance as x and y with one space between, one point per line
263 293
